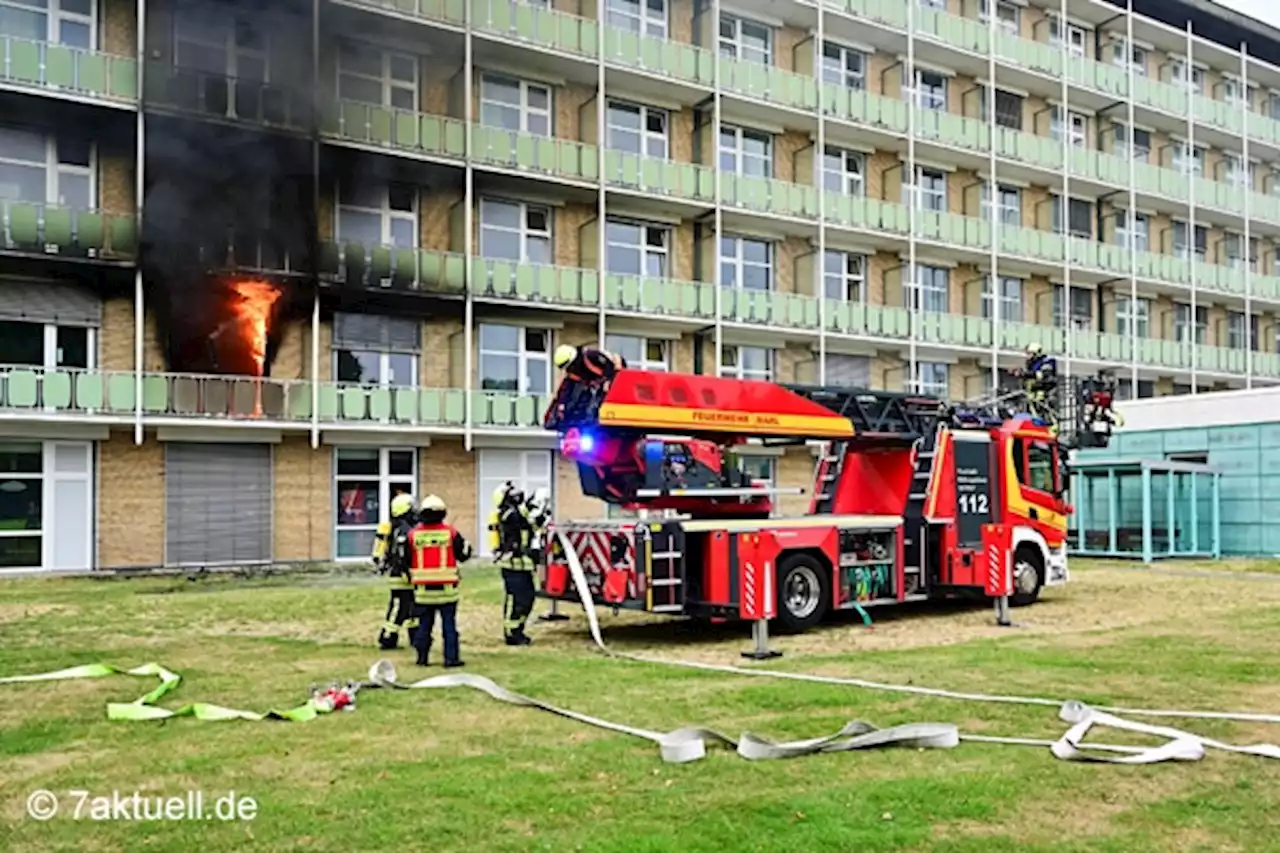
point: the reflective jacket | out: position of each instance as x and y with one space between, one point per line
432 559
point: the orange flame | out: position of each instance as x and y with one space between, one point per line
254 307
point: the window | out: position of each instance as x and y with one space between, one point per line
1181 247
1182 325
1137 57
1272 106
515 231
45 170
1039 471
1133 315
1188 164
930 190
378 215
515 359
1008 108
1079 214
1010 299
214 42
745 40
1120 143
1077 127
68 22
374 76
1076 37
1232 91
844 66
376 350
929 92
633 248
644 17
746 263
528 470
638 129
515 105
1007 17
746 152
932 378
46 505
366 480
1009 383
746 362
47 345
848 371
1236 174
844 277
1081 308
843 172
1141 230
1124 389
1235 330
1255 336
641 353
1178 76
930 292
1010 210
1233 247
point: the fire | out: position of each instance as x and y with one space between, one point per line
253 307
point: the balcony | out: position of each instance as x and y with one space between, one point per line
44 230
221 98
54 69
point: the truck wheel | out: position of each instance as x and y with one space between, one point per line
803 596
1028 576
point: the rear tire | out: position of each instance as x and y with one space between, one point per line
804 594
1028 576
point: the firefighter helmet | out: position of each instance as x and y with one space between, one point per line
565 354
433 503
401 504
1034 349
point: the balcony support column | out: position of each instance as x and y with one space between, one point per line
1247 182
819 182
1064 216
315 196
993 205
1131 216
1190 161
913 282
602 138
139 306
315 370
719 210
468 218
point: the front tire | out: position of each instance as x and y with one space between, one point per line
804 594
1028 576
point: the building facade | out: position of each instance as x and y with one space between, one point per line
439 192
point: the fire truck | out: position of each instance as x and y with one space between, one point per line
912 498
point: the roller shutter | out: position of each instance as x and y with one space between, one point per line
218 503
50 302
848 371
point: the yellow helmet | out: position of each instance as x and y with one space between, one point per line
564 354
432 503
1034 349
500 493
401 504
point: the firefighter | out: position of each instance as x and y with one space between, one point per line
588 371
389 562
434 551
539 514
514 530
1040 383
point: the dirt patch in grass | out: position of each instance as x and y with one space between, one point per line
17 612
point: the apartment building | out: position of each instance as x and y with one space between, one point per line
427 196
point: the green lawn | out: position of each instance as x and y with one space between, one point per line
455 770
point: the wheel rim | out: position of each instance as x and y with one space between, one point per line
1025 577
803 591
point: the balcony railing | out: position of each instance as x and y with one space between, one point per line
58 69
225 98
46 229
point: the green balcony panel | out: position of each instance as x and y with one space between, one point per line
90 391
837 315
298 401
431 406
354 404
155 394
455 406
22 389
327 411
380 404
404 404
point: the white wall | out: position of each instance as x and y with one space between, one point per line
1216 408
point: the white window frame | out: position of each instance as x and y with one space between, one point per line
737 370
54 170
1137 56
526 359
737 152
1060 212
732 46
1233 250
1236 338
1011 299
646 136
1080 321
645 346
1233 91
1077 124
937 94
638 18
1120 143
1180 162
55 16
526 111
524 232
1235 172
1181 322
48 477
835 69
915 193
1008 16
385 380
1140 316
523 477
850 177
924 293
1077 36
1182 245
1142 237
647 250
850 280
1178 76
737 260
384 211
385 80
385 481
932 378
1010 205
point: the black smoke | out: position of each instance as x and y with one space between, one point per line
230 170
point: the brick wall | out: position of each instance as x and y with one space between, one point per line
447 470
130 501
303 503
119 27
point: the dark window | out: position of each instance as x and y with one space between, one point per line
21 343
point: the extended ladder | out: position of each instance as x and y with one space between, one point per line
915 524
878 415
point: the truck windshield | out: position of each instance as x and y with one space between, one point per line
1041 467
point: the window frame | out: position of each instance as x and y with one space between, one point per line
54 169
738 370
937 94
1056 28
526 111
55 16
938 189
1011 26
931 386
525 358
918 294
1181 323
641 17
1142 230
842 75
384 368
739 262
616 343
847 280
387 83
851 183
1139 314
1010 214
232 53
1077 123
1028 480
644 248
1012 306
525 233
732 47
387 215
643 112
386 480
1080 321
740 134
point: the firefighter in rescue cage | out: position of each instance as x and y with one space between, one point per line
588 371
1040 383
511 536
434 549
400 607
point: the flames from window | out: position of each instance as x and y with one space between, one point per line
253 309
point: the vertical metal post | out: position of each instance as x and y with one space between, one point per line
1247 186
1084 511
1217 514
468 219
1170 484
1131 218
315 198
915 304
993 204
602 139
1195 513
1065 214
1146 514
819 183
139 190
1112 511
718 215
1192 179
315 371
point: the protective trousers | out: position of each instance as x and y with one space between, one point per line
518 581
399 615
449 627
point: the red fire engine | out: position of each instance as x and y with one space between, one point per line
912 499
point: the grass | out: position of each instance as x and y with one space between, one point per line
455 770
